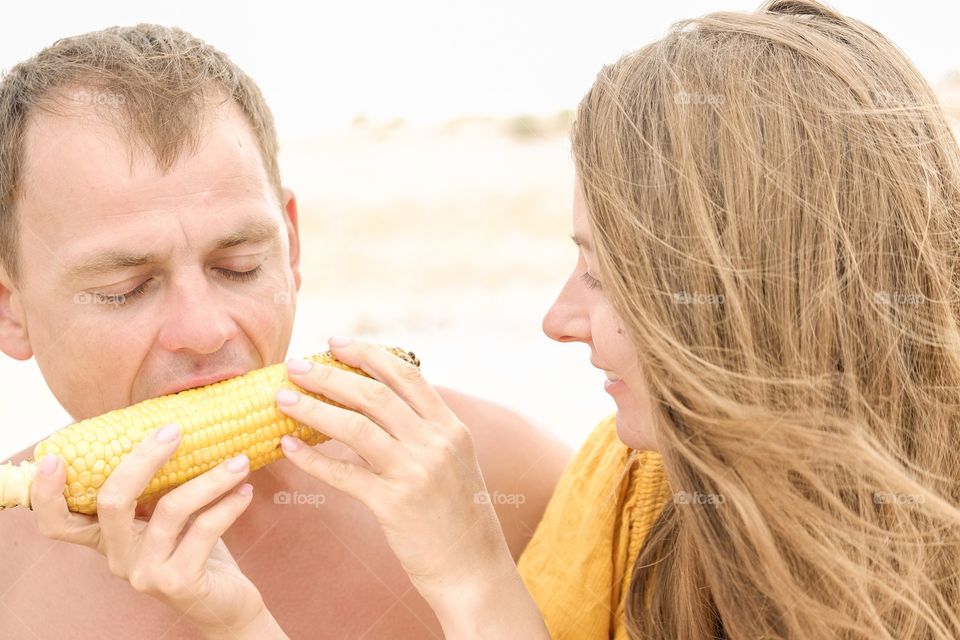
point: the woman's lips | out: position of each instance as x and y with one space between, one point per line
613 383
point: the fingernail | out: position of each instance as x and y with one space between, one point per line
237 464
289 444
296 365
287 397
338 341
49 464
169 433
245 489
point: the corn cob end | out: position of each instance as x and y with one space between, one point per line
15 483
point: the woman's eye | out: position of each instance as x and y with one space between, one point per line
590 281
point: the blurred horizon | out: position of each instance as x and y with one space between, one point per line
321 67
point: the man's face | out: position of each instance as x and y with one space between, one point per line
136 284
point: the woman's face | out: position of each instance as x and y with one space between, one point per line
582 313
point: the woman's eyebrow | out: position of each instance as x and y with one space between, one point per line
581 242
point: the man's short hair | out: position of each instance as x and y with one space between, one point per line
155 82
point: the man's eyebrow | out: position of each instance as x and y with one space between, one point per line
253 232
581 242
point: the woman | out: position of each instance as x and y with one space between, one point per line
767 220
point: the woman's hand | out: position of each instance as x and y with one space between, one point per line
423 484
176 557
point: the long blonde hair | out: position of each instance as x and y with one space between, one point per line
775 199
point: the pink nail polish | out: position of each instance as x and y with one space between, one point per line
289 444
287 397
338 341
238 464
168 434
245 489
49 464
296 365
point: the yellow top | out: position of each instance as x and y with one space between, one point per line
579 563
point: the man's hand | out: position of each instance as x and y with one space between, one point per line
177 556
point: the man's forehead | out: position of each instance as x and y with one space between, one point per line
86 150
80 173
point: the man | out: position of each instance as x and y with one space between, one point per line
147 246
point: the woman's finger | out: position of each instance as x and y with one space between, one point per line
400 376
370 397
54 520
117 498
175 508
353 480
208 527
355 430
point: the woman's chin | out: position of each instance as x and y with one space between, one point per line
634 433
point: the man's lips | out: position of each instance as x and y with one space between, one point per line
200 381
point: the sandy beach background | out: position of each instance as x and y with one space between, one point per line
450 240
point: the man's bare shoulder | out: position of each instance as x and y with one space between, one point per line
521 463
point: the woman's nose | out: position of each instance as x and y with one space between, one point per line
567 319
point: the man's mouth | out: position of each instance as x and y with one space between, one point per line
200 381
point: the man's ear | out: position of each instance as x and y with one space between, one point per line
293 232
13 326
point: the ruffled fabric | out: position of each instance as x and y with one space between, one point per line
580 560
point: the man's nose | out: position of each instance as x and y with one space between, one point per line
567 319
195 318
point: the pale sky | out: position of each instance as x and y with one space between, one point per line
322 63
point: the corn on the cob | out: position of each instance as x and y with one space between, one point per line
217 422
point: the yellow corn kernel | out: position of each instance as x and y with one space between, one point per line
218 421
